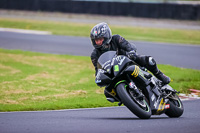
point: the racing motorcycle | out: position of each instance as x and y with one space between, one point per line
141 92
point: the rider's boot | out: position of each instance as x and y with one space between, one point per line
165 79
152 66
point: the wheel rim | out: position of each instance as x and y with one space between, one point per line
177 102
141 103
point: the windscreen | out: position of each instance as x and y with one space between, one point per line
104 61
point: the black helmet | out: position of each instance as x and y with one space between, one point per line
98 31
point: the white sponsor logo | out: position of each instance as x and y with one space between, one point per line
156 103
99 73
153 97
106 64
120 59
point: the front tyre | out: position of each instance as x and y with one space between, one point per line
141 112
176 107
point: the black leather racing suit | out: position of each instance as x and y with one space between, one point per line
122 46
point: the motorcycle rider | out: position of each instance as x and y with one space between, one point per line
103 41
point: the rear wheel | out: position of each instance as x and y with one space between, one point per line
139 107
176 107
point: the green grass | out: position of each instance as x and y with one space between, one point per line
130 33
34 81
37 81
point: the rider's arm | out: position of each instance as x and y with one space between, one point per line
94 58
125 47
124 44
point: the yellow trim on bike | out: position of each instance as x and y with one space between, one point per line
161 106
135 72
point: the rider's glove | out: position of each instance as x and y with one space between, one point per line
131 55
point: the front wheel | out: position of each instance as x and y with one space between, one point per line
143 112
176 107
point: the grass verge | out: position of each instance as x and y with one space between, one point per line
130 33
37 81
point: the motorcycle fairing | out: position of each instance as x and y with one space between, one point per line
101 78
157 102
119 63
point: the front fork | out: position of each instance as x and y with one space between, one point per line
132 86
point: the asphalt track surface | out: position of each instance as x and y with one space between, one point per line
100 120
186 56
